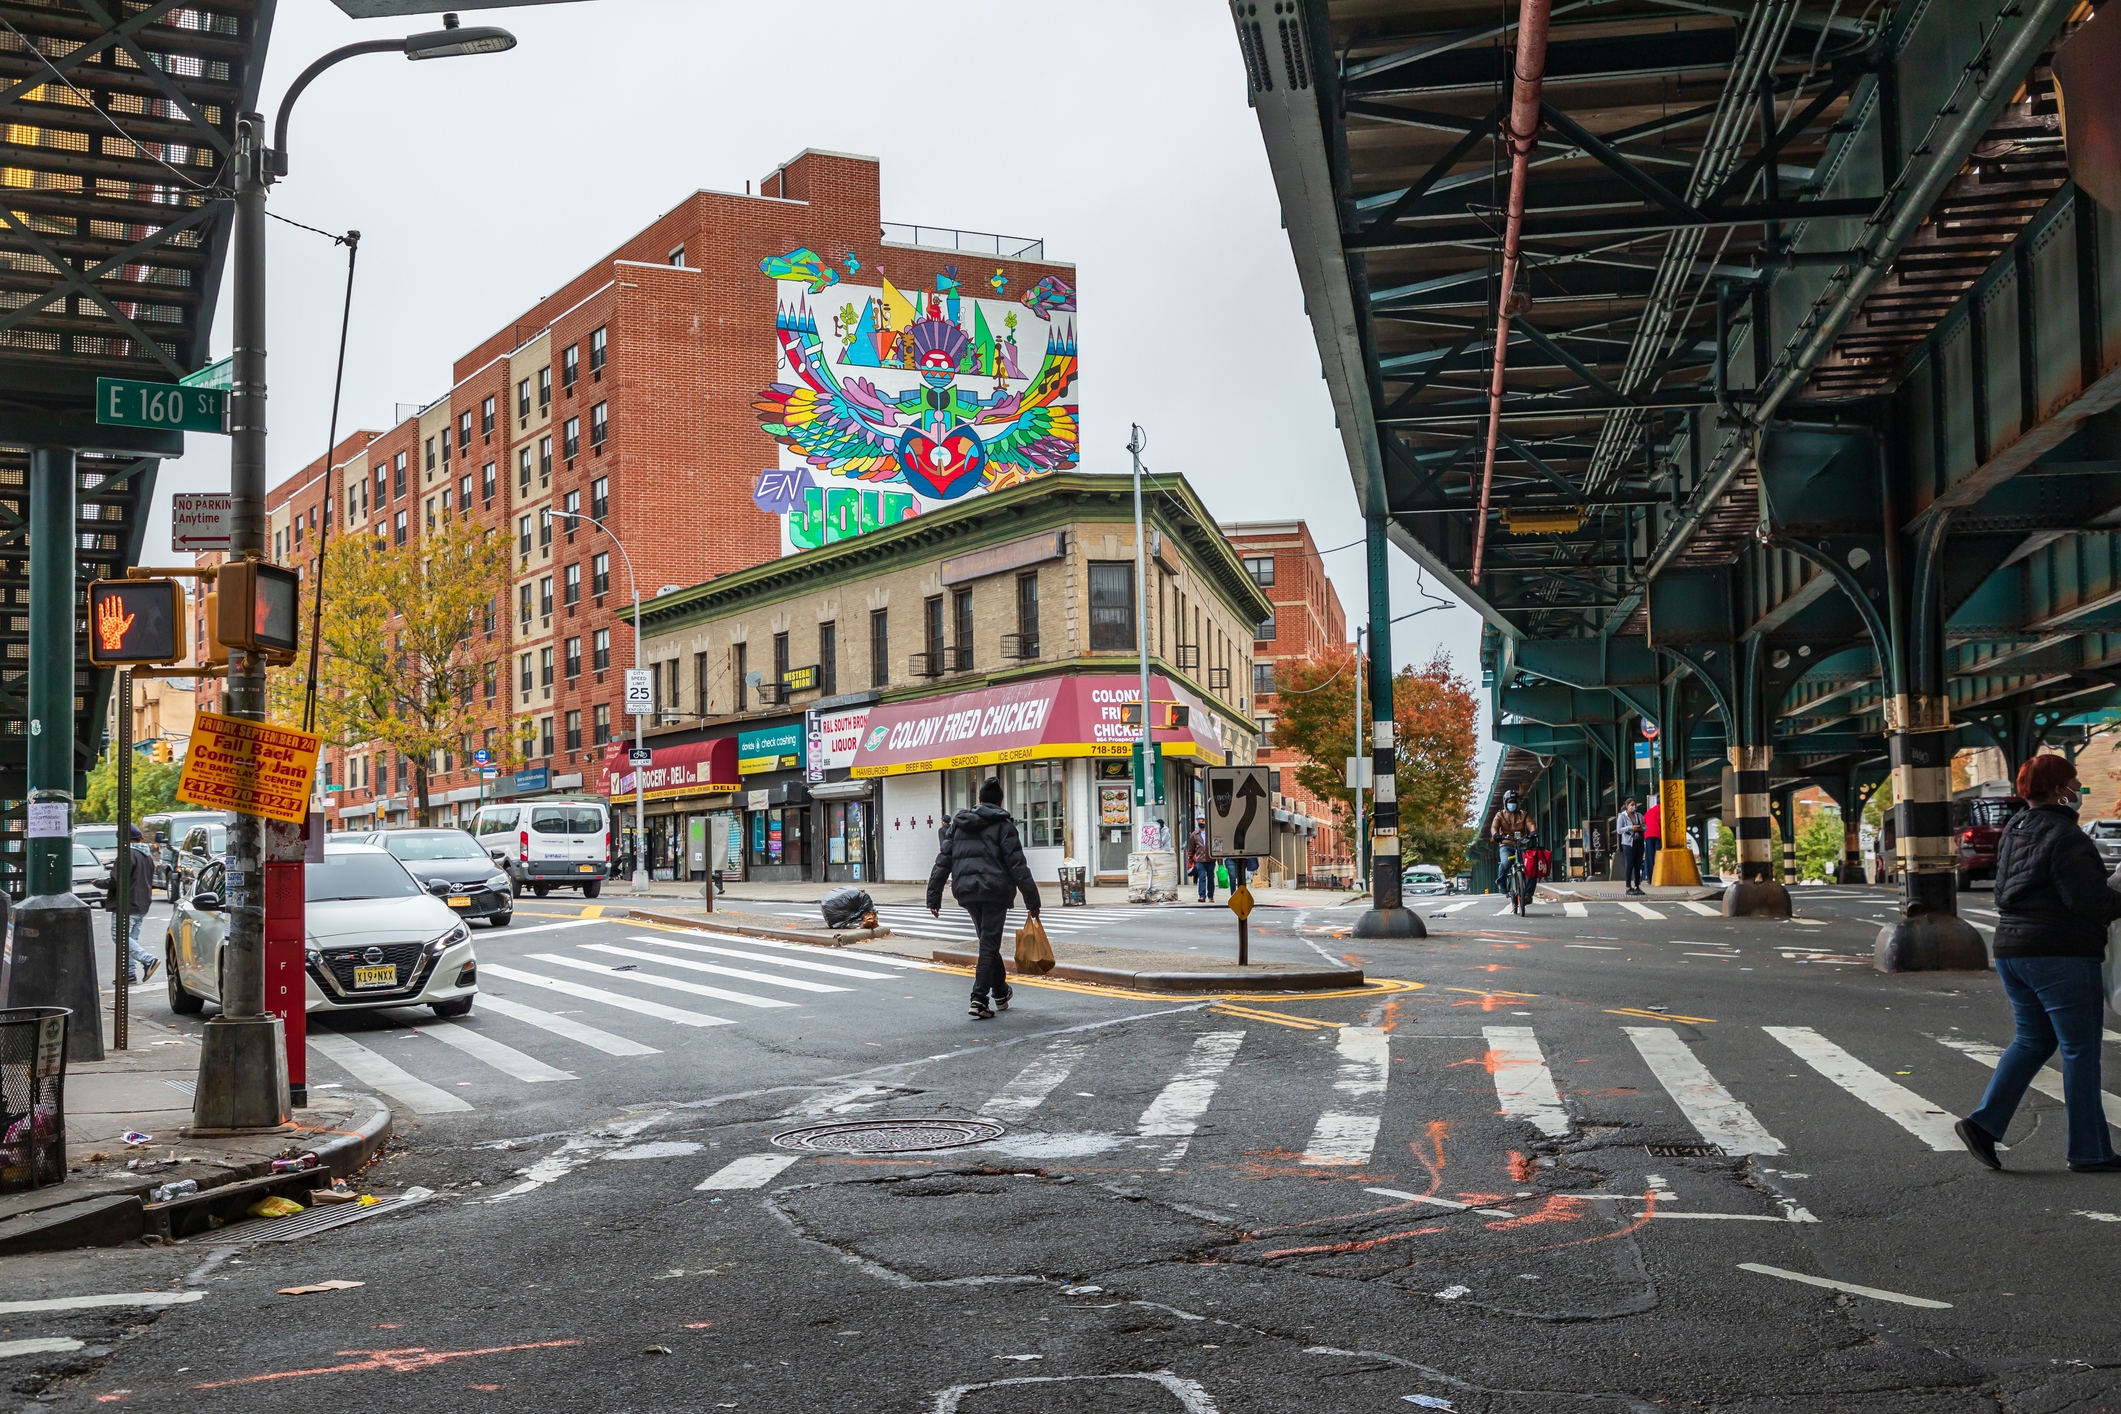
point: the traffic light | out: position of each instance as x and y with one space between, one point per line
213 652
162 751
135 621
1169 715
257 608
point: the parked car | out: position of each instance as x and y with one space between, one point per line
161 834
374 937
102 839
203 844
88 871
1977 823
2106 836
454 868
548 844
1424 879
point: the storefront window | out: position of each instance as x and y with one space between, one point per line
846 830
1037 797
778 838
961 788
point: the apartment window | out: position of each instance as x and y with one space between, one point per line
1027 614
573 505
544 530
523 605
780 658
1111 605
1266 630
600 574
523 471
677 256
382 491
544 462
1262 679
932 631
879 647
828 658
574 731
961 615
574 658
600 497
431 513
600 722
464 488
487 483
493 615
463 433
737 654
573 443
544 387
600 649
430 454
523 398
445 439
570 366
486 418
397 477
597 350
571 589
599 425
545 596
669 700
523 536
1261 568
699 680
398 529
544 667
544 736
528 681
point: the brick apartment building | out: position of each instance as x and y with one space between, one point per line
630 394
1283 561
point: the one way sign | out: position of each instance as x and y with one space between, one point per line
1240 811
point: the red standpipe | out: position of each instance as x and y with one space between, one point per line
1522 135
286 975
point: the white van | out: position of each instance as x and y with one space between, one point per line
547 844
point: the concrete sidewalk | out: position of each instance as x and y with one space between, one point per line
618 893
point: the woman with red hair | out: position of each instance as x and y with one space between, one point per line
2055 901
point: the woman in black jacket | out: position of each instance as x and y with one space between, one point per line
983 859
2054 901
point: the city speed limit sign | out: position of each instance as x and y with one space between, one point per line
640 692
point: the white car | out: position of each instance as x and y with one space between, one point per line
374 938
1424 879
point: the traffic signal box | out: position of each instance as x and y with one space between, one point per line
133 621
256 606
1170 716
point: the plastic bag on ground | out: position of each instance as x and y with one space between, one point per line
845 908
275 1208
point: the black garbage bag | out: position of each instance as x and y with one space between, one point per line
845 908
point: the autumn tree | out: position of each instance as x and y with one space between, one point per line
413 657
1434 712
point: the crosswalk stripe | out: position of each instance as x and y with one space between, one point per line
751 1171
720 994
1716 1116
598 994
1523 1084
1642 910
1014 1101
550 927
369 1068
1701 908
1175 1112
506 1059
1347 1136
1896 1102
800 984
565 1026
1457 906
904 964
1575 910
2047 1080
769 961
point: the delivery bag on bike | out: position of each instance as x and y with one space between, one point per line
1538 863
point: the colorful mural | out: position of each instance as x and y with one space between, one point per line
910 399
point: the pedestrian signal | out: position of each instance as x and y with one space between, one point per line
257 608
135 621
1168 715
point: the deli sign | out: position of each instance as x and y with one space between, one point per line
695 768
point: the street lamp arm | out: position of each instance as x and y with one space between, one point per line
631 588
308 76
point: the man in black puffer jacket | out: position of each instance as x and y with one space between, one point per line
983 860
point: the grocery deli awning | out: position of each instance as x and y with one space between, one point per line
1076 715
696 768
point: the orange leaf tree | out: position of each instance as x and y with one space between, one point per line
1434 709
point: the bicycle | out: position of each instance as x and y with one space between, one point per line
1515 881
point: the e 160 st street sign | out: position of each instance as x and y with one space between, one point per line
165 407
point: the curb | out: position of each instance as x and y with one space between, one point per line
1313 980
781 935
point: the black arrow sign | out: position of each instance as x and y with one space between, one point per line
1250 791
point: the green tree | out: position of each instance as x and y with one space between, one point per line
1819 846
154 788
1433 710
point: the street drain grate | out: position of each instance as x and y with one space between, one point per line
888 1136
1684 1151
296 1226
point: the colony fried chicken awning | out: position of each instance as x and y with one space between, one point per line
1048 718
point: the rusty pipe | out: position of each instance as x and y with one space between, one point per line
1522 135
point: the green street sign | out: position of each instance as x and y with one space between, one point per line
166 407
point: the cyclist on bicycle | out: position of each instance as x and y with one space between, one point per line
1509 830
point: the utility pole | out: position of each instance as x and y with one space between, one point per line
1360 737
1145 786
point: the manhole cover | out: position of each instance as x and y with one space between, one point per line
1684 1151
888 1136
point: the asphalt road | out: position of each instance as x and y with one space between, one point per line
1597 1162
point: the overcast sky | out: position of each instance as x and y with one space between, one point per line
1118 132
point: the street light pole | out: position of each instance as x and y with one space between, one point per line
242 1082
640 790
1145 787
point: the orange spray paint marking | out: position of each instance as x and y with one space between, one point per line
1521 1168
399 1361
1483 1199
1559 1208
486 1387
1340 1247
1390 1016
697 1325
1493 967
1490 1061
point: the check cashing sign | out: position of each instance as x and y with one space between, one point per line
249 767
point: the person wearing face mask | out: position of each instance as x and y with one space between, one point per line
2055 901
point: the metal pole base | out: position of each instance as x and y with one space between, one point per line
640 881
1391 923
1851 873
242 1086
1675 869
54 964
1927 941
1757 898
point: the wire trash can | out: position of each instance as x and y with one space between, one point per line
32 1097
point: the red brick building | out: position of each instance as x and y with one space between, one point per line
628 394
1283 561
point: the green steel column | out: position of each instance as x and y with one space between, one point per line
1387 916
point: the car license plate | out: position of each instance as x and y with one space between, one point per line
459 901
587 868
375 976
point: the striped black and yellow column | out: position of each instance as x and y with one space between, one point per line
1757 894
1929 934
